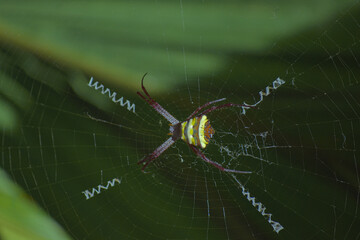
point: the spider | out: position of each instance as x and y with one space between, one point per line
196 130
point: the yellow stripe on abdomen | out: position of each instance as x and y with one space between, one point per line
203 142
193 131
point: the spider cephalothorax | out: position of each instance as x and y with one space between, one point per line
196 130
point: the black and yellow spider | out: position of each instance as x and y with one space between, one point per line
196 130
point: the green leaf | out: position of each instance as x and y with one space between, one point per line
8 116
21 219
173 41
15 92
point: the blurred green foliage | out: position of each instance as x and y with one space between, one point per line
48 50
120 41
20 218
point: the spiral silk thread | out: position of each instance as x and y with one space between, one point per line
260 208
97 190
275 84
112 96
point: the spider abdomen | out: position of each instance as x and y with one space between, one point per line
197 131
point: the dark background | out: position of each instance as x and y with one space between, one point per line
52 146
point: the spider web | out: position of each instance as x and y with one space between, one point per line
300 142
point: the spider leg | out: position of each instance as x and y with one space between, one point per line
203 106
226 105
156 105
156 153
203 157
144 89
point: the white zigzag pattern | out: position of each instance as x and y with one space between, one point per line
97 190
260 208
111 95
275 84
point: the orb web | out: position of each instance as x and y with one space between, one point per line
299 141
